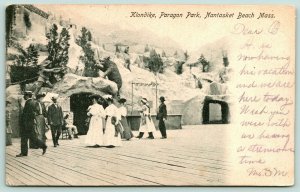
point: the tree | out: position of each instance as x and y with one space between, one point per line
175 54
84 41
25 69
147 49
58 48
178 67
155 62
117 49
186 56
204 62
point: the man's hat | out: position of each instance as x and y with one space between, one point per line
40 95
162 98
29 93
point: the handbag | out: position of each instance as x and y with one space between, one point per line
87 121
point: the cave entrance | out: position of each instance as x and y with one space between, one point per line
79 102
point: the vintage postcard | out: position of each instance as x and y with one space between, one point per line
150 95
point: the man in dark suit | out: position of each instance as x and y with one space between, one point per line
28 126
55 120
162 117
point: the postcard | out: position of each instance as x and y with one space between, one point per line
150 95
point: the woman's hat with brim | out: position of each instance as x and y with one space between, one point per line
94 96
122 100
28 93
144 100
40 95
108 97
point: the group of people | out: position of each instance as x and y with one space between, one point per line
35 120
108 126
107 123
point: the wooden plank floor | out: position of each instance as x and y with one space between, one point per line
192 156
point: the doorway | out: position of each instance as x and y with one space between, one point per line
79 103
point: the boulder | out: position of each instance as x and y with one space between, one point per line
72 83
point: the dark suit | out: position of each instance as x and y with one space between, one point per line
55 120
162 113
28 127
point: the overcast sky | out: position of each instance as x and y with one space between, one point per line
190 33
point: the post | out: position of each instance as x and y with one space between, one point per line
131 98
156 93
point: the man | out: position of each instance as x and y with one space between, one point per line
161 117
55 120
72 129
28 126
8 126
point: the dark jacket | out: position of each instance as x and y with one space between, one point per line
162 112
28 116
55 115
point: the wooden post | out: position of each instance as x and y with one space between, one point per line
131 98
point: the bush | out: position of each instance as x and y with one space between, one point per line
155 63
178 67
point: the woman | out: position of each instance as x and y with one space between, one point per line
40 116
127 133
96 113
111 138
146 124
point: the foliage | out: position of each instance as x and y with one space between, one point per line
58 48
186 56
163 54
28 57
178 67
91 69
205 63
25 69
147 49
175 54
155 63
117 49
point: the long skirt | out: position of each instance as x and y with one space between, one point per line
94 135
127 133
40 130
109 136
147 125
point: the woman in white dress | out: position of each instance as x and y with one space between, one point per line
146 124
111 139
96 113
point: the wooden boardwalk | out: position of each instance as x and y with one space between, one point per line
192 156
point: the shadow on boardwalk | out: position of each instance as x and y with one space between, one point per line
192 156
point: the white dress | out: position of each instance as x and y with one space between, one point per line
148 125
95 132
109 135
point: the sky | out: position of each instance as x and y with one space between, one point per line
189 33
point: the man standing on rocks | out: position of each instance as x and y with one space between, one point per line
28 126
